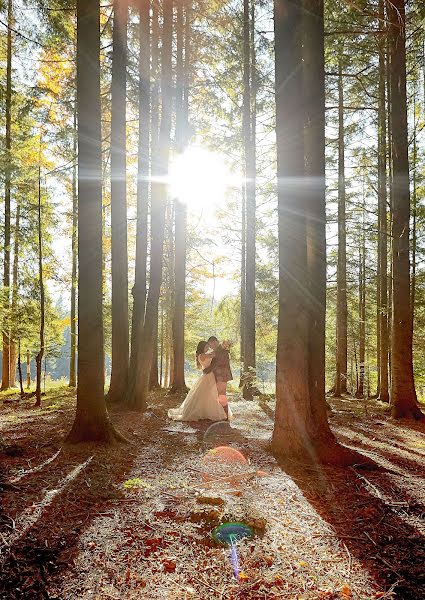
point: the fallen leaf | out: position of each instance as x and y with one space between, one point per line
346 592
169 565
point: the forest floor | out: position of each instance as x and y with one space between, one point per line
135 521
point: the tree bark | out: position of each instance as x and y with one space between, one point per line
154 382
139 386
161 350
301 428
120 319
5 383
169 281
383 390
243 287
414 211
14 306
403 394
73 345
21 383
28 371
249 129
40 354
362 308
139 289
153 376
91 421
341 324
390 197
180 210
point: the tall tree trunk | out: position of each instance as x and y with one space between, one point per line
301 429
180 214
403 394
14 305
161 349
314 148
28 370
91 421
7 181
414 211
179 384
139 385
154 381
341 315
139 289
362 308
243 286
390 219
21 383
383 393
40 354
153 376
72 358
249 128
120 320
169 280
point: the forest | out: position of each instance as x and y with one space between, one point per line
212 305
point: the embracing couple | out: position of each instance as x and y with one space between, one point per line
207 399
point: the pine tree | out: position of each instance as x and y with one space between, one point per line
403 393
120 320
91 420
7 196
139 381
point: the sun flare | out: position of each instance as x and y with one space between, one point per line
201 178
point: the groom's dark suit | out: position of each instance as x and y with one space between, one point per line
220 366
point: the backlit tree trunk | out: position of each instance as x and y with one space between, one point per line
249 156
154 374
180 210
154 380
362 309
243 286
414 210
28 371
21 382
7 181
390 198
383 393
403 393
139 289
40 353
120 320
72 358
14 306
91 420
301 428
341 314
138 388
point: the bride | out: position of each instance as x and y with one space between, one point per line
202 400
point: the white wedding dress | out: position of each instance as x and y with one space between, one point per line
202 400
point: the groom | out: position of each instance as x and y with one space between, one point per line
220 366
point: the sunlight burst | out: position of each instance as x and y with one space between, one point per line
201 178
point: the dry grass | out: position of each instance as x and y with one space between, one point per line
135 522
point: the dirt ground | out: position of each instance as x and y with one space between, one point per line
135 521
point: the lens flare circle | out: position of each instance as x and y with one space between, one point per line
231 533
224 467
224 454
